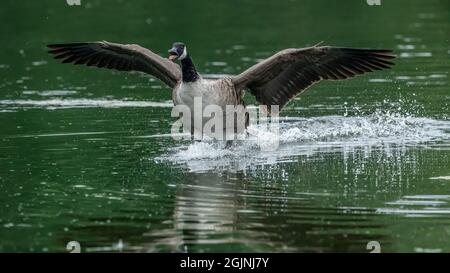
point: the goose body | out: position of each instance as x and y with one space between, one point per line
209 92
274 81
219 92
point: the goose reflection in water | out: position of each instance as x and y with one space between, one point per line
217 212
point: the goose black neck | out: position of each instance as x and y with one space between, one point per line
189 74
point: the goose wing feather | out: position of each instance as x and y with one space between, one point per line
288 73
119 57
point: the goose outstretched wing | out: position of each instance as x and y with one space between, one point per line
288 73
120 57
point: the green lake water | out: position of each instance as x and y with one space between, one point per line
86 154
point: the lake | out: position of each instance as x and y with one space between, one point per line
86 154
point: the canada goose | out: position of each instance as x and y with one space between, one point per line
273 81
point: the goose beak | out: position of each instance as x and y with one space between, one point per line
173 54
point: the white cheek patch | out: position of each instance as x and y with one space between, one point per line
184 54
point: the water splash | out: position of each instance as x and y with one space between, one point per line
308 136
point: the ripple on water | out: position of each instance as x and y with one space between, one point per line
440 178
419 206
50 93
57 103
415 54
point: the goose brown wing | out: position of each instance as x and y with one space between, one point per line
120 57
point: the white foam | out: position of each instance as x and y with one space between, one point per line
203 150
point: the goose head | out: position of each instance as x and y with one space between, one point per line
178 51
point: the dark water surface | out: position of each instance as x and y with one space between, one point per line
86 154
